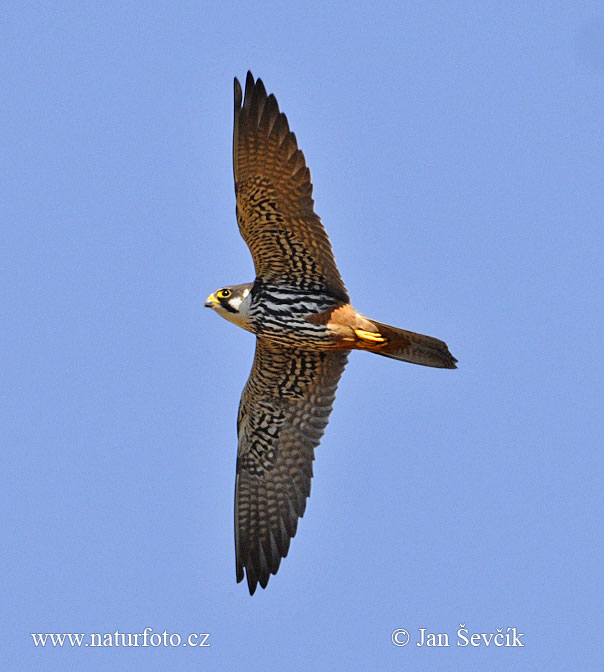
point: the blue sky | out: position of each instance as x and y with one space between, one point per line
456 152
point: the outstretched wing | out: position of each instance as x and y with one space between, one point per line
274 198
283 413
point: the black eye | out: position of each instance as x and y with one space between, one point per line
225 293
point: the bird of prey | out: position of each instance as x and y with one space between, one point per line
300 312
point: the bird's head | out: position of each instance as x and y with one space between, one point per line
232 303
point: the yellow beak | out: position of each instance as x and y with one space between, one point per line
210 301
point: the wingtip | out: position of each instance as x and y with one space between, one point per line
249 80
252 584
252 581
251 86
238 93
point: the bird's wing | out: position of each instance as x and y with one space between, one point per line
283 413
274 198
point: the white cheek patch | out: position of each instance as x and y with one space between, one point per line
235 302
242 303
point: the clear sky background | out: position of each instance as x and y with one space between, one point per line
457 153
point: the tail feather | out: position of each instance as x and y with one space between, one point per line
406 346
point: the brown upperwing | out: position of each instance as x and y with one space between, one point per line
275 213
283 412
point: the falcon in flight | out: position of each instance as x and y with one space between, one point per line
300 311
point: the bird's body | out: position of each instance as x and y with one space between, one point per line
305 326
282 314
318 321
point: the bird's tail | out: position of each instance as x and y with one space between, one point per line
404 345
